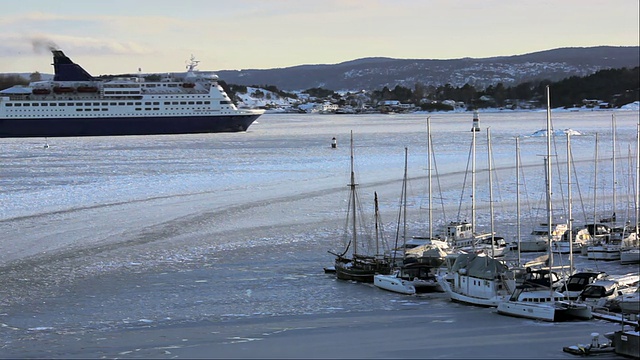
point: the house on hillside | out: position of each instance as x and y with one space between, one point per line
387 106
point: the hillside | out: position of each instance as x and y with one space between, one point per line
376 73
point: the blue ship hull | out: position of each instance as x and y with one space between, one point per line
117 126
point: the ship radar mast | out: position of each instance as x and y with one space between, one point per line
193 63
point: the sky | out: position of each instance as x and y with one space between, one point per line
122 36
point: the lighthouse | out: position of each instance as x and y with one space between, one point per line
476 122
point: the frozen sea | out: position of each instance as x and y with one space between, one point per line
107 237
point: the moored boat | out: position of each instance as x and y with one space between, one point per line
75 103
359 266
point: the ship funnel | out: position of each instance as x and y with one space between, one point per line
67 70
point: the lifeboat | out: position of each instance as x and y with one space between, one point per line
41 91
188 85
62 89
87 89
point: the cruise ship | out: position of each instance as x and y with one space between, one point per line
75 103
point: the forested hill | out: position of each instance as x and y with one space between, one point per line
376 73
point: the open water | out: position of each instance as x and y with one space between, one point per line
105 235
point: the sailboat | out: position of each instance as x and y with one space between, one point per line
528 301
358 267
480 279
621 235
417 270
462 233
630 254
394 281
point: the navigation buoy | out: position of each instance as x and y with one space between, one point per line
334 143
476 122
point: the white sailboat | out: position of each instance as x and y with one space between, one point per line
394 281
573 239
462 233
621 235
481 280
526 301
630 254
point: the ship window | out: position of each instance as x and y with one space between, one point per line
175 103
183 103
147 109
113 104
147 103
44 104
207 102
122 103
104 104
138 109
96 104
26 104
190 102
130 103
8 104
138 103
156 109
167 102
156 103
224 102
105 109
78 109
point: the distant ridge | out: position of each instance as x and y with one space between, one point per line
376 72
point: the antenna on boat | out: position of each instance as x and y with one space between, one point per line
46 143
191 66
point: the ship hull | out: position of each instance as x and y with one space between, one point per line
118 126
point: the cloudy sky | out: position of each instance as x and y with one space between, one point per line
120 36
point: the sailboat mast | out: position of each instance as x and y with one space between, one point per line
615 183
595 186
473 183
569 205
429 176
352 185
638 180
377 220
548 178
404 203
518 195
490 191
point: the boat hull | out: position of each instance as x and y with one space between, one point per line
560 311
605 252
394 284
355 274
471 300
630 256
118 126
534 245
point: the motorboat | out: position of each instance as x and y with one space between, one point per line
576 282
478 280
